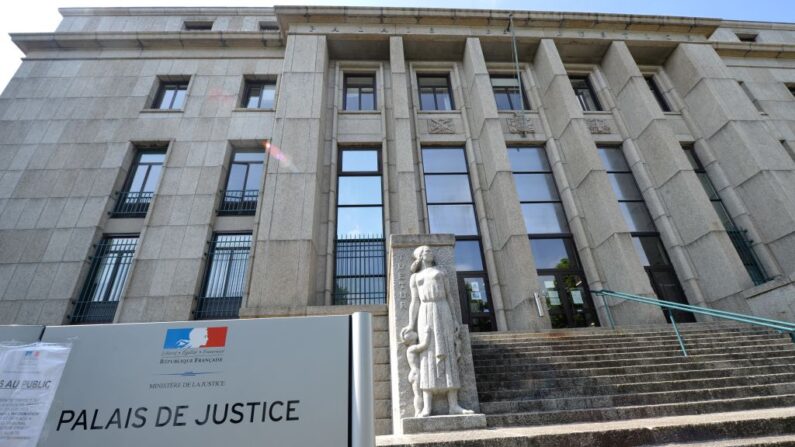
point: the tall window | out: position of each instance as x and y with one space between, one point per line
106 278
585 93
737 235
435 92
359 92
223 282
171 95
259 94
559 273
655 90
507 94
451 210
139 188
644 234
360 268
242 186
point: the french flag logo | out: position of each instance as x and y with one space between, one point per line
195 338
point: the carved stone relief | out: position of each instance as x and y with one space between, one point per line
441 125
520 124
432 336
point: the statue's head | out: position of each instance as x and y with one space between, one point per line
423 256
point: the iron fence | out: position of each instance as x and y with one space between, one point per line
360 268
132 204
226 269
106 278
238 202
742 244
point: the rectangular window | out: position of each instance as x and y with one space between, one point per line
451 209
268 26
658 95
747 37
171 95
737 235
139 188
198 25
435 92
644 233
360 262
550 240
224 277
242 185
359 92
585 93
259 94
791 88
106 278
507 93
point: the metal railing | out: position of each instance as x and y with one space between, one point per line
216 308
360 271
108 273
131 204
742 244
781 326
224 278
238 202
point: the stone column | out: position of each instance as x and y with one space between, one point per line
603 230
516 272
401 248
287 224
701 251
404 201
755 165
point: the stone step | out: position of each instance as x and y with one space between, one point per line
744 428
577 389
669 396
574 372
628 347
564 383
563 334
607 344
508 359
618 339
566 364
757 441
639 411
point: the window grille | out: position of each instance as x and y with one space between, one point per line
102 289
360 271
224 278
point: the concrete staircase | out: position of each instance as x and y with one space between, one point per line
632 387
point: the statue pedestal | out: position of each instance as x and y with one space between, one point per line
401 248
444 423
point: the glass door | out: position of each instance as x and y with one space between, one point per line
476 308
568 300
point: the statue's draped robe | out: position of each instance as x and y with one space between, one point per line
436 327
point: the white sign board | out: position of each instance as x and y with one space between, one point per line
271 382
29 377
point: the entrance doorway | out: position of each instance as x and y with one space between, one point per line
568 299
476 308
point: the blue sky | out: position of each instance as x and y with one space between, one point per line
42 15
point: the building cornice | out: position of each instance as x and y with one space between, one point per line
166 11
145 40
478 17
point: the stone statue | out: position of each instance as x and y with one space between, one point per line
432 336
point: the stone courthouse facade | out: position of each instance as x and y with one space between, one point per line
164 164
